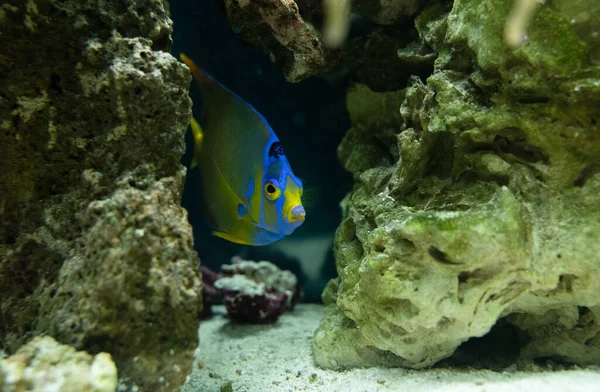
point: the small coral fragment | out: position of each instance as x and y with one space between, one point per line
257 292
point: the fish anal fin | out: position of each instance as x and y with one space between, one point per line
230 237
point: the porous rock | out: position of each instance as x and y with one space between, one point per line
570 333
43 365
95 249
484 202
276 27
384 60
388 12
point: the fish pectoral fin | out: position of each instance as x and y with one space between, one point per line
229 196
234 214
230 237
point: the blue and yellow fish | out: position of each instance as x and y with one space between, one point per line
251 195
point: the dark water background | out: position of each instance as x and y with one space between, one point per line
309 117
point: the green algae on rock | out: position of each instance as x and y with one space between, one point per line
375 122
95 249
45 365
490 206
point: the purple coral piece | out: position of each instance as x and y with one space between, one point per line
246 297
210 294
255 308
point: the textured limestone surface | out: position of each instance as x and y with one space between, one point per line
276 27
43 365
95 249
477 196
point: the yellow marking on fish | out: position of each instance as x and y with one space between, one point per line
292 199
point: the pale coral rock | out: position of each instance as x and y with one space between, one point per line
43 365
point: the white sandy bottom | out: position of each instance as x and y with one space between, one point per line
264 358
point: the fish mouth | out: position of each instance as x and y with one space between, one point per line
296 214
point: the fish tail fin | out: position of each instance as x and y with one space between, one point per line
196 71
198 136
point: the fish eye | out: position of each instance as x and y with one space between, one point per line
272 191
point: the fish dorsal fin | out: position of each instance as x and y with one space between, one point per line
196 71
202 77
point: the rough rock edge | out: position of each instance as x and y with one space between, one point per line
277 28
92 116
413 211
